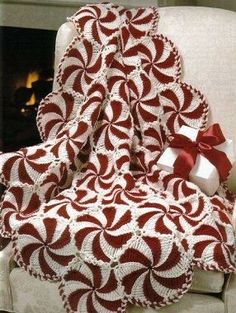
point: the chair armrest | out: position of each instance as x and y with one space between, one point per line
234 216
5 288
232 179
65 35
229 292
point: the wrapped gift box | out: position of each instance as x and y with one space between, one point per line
204 173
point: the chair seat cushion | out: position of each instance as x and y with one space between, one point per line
207 281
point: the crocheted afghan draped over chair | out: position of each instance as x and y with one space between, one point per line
88 206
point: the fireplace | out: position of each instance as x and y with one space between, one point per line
27 74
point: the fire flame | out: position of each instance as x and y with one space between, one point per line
32 77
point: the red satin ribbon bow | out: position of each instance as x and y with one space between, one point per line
204 144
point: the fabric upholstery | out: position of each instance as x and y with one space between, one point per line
64 36
207 281
229 294
33 296
5 286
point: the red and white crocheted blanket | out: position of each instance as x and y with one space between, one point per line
88 206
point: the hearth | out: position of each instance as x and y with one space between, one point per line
27 74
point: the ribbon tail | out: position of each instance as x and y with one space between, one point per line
220 160
185 162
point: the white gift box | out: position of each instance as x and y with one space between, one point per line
204 174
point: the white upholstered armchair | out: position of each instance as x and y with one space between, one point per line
206 39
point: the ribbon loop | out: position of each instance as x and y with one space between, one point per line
212 136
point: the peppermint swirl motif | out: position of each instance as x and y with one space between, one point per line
64 107
25 165
19 204
160 59
114 125
182 105
81 66
98 22
150 268
215 243
103 234
46 245
90 288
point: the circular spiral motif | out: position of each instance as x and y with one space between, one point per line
115 126
44 246
19 203
97 22
144 100
153 270
118 78
90 288
52 183
90 109
70 141
125 196
55 112
220 211
25 165
101 235
178 187
183 106
215 246
82 64
99 174
141 21
154 139
160 59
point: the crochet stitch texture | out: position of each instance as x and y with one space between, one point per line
89 206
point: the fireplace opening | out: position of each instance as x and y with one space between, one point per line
27 77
